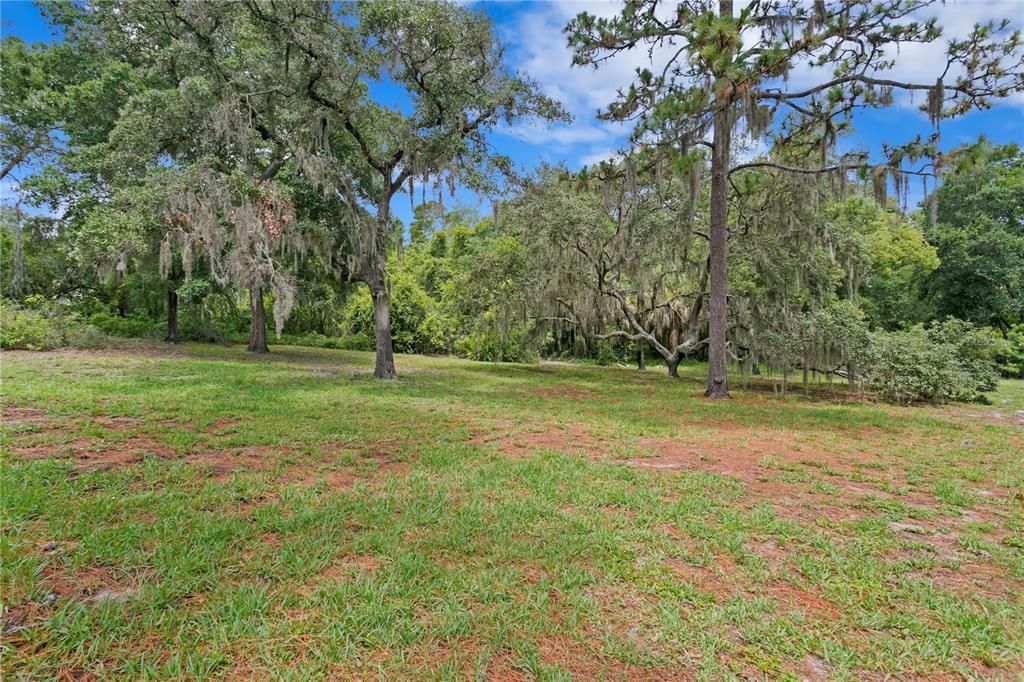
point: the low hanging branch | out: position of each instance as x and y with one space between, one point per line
240 234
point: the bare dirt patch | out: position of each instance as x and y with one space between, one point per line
585 662
89 454
989 416
225 463
222 425
343 568
702 577
724 582
572 438
92 584
335 479
561 392
116 423
16 416
748 453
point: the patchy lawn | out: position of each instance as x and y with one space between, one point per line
199 513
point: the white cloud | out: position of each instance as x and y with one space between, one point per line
539 48
535 133
597 156
924 62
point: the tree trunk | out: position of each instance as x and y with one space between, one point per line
755 368
718 387
385 367
641 362
18 263
172 316
258 323
673 365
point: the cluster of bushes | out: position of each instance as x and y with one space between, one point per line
317 340
131 327
948 361
37 325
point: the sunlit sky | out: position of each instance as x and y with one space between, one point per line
536 46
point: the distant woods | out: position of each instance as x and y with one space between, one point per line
214 169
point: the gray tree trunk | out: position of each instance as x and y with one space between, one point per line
385 365
718 387
258 322
673 365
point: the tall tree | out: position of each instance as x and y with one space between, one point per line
211 102
447 67
979 234
718 68
615 248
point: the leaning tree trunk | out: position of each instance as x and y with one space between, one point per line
258 323
717 373
172 316
673 365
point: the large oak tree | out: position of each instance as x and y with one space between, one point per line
444 71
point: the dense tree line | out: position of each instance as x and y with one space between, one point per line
220 167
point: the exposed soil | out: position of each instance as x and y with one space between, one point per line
569 393
14 416
90 454
573 438
773 467
990 416
93 584
346 566
584 662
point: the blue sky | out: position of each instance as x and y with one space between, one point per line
535 45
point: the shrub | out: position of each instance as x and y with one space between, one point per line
41 326
415 327
126 327
488 345
949 361
86 336
28 329
1010 357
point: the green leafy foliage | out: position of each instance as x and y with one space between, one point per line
948 361
979 237
1010 358
41 326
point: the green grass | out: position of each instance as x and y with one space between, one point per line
199 513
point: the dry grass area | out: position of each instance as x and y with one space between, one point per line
197 513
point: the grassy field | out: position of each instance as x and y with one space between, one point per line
198 513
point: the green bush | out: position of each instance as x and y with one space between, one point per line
126 327
1010 358
489 346
86 336
41 326
948 361
317 340
28 329
414 324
